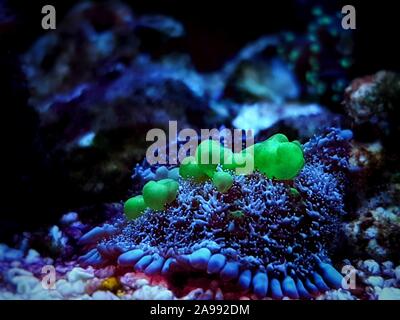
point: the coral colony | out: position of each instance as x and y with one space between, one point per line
268 232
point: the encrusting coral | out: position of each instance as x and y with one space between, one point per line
271 236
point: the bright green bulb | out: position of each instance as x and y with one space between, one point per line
172 187
134 207
289 161
278 158
157 194
240 162
223 181
209 154
294 192
189 169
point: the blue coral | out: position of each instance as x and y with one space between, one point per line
279 244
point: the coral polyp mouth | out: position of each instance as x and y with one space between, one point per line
268 237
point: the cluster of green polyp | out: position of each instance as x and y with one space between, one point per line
155 195
277 158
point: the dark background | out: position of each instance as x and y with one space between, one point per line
217 29
31 195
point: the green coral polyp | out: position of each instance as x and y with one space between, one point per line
134 207
157 194
172 187
294 192
223 181
242 162
208 155
278 158
190 169
237 214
